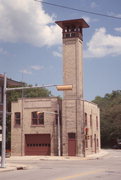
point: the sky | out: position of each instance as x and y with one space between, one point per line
31 43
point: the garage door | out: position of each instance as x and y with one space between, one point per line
37 144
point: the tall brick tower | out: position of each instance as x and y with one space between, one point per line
72 106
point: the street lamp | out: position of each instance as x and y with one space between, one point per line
5 90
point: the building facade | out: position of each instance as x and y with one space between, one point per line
34 126
78 134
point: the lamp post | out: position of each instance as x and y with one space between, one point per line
5 90
59 138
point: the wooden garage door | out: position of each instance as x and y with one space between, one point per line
37 144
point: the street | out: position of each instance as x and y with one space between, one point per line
106 168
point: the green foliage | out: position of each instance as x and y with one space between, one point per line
28 93
110 110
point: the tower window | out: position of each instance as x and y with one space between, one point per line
85 118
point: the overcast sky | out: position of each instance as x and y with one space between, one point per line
31 43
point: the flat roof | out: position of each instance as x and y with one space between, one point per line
80 22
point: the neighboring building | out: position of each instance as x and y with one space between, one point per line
0 138
10 83
80 124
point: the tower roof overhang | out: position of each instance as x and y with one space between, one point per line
80 22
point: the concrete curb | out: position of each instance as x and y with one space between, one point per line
10 166
98 155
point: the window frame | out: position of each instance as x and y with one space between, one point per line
17 119
38 120
91 120
85 119
97 122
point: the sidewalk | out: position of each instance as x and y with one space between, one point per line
11 163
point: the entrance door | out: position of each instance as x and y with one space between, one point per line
71 144
37 144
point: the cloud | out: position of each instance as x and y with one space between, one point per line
29 69
103 44
114 14
86 18
58 53
4 52
93 5
25 71
118 29
37 67
26 21
89 20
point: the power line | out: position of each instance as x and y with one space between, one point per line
80 10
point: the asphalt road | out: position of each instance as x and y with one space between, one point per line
106 168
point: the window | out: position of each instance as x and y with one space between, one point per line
17 118
90 120
37 118
85 118
71 135
97 143
96 122
56 117
91 141
86 143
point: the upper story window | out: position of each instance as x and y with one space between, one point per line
85 118
17 118
90 120
37 118
96 122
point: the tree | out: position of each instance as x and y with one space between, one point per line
110 110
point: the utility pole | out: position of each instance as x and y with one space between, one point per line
4 125
59 138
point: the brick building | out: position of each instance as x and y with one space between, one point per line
78 133
34 133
